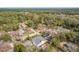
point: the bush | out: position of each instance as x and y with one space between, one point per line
78 49
55 41
18 47
5 37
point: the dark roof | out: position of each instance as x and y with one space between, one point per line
36 40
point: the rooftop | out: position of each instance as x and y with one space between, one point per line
38 41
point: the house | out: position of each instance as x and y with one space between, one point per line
4 47
21 31
47 35
2 33
68 46
27 43
39 41
13 33
30 30
59 30
22 38
49 30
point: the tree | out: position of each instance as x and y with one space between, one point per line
49 48
5 37
30 23
55 42
18 47
28 38
70 36
71 23
76 39
77 49
62 36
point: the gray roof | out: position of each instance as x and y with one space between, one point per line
28 43
36 40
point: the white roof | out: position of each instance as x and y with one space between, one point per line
41 43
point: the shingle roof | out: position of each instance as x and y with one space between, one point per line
37 40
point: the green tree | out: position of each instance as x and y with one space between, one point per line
77 49
76 39
70 36
18 47
5 37
28 38
30 23
55 41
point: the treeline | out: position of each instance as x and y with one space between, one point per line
9 20
57 11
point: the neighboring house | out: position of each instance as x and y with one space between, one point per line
47 36
21 31
39 41
5 47
27 43
30 30
22 38
22 28
59 30
68 46
2 33
1 41
13 33
49 30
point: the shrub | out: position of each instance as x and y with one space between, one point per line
18 47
